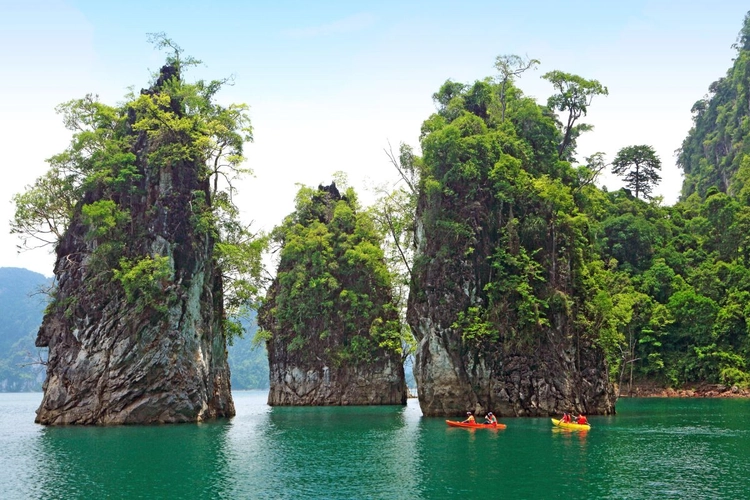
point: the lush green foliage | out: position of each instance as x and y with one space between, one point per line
690 323
99 180
333 293
145 281
497 194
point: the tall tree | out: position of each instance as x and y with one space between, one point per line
511 66
393 214
574 96
639 167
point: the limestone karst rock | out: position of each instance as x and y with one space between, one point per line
502 266
556 372
153 352
334 334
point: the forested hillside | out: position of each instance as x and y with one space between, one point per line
21 308
713 154
687 266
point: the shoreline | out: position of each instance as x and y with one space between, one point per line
690 391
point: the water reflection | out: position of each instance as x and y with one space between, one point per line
176 461
330 452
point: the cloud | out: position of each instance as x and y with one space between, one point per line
349 24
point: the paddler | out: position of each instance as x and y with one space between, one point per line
469 418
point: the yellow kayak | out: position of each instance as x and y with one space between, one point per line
570 425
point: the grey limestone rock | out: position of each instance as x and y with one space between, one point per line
112 361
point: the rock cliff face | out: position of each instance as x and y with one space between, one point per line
334 333
503 266
556 371
155 352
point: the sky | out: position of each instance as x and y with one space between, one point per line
330 84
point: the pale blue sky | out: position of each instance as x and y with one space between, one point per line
330 83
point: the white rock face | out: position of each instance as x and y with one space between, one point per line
372 385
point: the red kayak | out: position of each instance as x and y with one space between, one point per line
467 425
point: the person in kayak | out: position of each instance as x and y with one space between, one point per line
582 420
566 418
491 419
469 418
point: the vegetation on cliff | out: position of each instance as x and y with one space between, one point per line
153 265
332 291
98 180
506 257
715 148
499 236
330 308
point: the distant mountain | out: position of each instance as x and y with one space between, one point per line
248 363
21 309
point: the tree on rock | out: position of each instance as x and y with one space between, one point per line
330 322
639 167
574 96
146 237
510 67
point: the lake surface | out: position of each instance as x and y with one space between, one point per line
653 448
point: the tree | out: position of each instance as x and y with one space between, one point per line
511 66
575 96
44 209
588 173
185 123
393 213
639 167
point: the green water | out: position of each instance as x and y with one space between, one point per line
653 448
